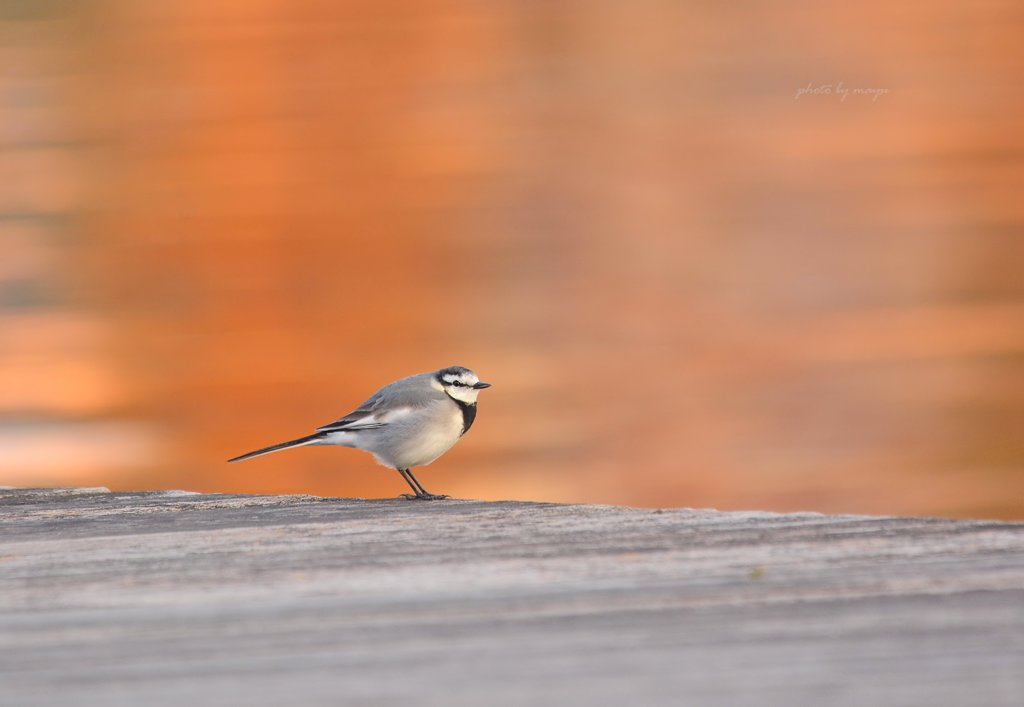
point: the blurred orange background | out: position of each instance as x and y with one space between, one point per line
766 256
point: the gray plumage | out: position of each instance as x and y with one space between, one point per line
405 424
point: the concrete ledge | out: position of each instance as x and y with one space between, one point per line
163 598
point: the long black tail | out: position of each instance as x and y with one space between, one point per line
301 441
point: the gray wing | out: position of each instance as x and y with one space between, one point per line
362 418
391 402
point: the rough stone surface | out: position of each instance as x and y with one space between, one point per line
177 598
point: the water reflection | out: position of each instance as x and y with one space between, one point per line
225 226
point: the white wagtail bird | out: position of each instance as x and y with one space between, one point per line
408 423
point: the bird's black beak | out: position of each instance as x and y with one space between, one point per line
481 385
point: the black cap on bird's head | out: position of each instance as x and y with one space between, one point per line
459 378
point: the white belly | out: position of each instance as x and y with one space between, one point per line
426 445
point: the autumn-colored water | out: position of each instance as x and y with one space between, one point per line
762 258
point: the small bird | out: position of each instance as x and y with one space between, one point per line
408 423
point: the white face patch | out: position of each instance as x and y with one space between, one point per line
466 395
460 386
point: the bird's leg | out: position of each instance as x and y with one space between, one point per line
421 492
405 475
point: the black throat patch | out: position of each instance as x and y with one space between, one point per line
468 413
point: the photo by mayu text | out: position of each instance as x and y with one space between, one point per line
839 90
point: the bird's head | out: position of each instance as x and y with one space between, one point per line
460 383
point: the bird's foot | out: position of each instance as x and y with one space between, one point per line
425 496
